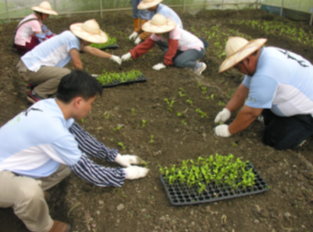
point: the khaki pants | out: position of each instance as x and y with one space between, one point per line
46 79
25 195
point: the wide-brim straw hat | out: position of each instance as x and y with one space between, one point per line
145 4
89 31
237 49
159 24
44 7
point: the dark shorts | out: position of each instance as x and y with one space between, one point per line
286 132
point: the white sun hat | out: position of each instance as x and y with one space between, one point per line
89 31
237 49
145 4
44 7
159 24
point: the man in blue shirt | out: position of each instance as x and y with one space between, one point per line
277 84
41 145
44 66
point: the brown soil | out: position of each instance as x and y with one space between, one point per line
142 205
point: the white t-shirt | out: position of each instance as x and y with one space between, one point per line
36 141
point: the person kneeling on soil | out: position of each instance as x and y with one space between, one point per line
43 67
184 48
40 146
31 31
277 84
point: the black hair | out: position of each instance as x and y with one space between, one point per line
78 84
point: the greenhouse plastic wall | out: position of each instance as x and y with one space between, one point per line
19 8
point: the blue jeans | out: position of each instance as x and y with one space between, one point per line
188 58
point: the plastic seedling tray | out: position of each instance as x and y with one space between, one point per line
138 80
112 46
180 194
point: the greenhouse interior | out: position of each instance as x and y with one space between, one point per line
201 125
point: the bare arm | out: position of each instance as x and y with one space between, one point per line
238 98
76 61
96 52
244 118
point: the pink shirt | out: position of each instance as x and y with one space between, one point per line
186 40
27 30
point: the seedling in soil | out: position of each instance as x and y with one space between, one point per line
107 115
217 169
143 123
170 103
118 127
204 90
221 103
210 97
201 113
133 111
180 114
189 101
121 145
151 139
181 92
111 41
184 122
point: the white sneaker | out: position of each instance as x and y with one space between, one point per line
200 68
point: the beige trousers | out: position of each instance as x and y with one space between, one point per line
46 78
25 195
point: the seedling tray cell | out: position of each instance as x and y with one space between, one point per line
112 46
138 80
180 194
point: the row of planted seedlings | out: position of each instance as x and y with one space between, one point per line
290 30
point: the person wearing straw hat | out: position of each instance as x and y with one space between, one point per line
184 48
155 7
43 67
139 18
278 85
43 144
31 31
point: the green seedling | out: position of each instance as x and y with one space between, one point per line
181 92
143 123
201 113
111 77
204 90
111 41
170 103
133 111
217 169
189 101
180 114
184 122
121 145
118 127
221 103
107 115
151 139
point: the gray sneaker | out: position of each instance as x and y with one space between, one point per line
200 67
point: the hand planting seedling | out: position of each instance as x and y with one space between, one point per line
108 78
217 169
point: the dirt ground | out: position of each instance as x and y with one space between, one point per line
161 137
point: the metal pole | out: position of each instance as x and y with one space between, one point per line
101 15
7 9
222 4
282 8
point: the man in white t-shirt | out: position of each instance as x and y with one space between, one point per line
277 84
41 145
43 66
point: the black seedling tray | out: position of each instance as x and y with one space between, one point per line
112 46
138 80
181 194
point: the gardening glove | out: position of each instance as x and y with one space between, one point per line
135 172
222 130
137 40
133 36
126 160
158 66
116 59
222 116
126 56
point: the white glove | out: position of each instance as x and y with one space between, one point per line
222 131
137 40
133 35
158 66
135 172
126 56
126 160
222 116
116 59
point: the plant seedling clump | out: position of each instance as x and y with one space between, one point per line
217 169
111 41
120 77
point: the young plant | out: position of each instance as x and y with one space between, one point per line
121 145
110 42
118 127
201 113
169 103
121 77
143 123
151 139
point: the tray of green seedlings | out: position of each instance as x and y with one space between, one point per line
111 79
110 44
208 179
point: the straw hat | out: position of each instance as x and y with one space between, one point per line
44 7
159 24
145 4
89 31
237 49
